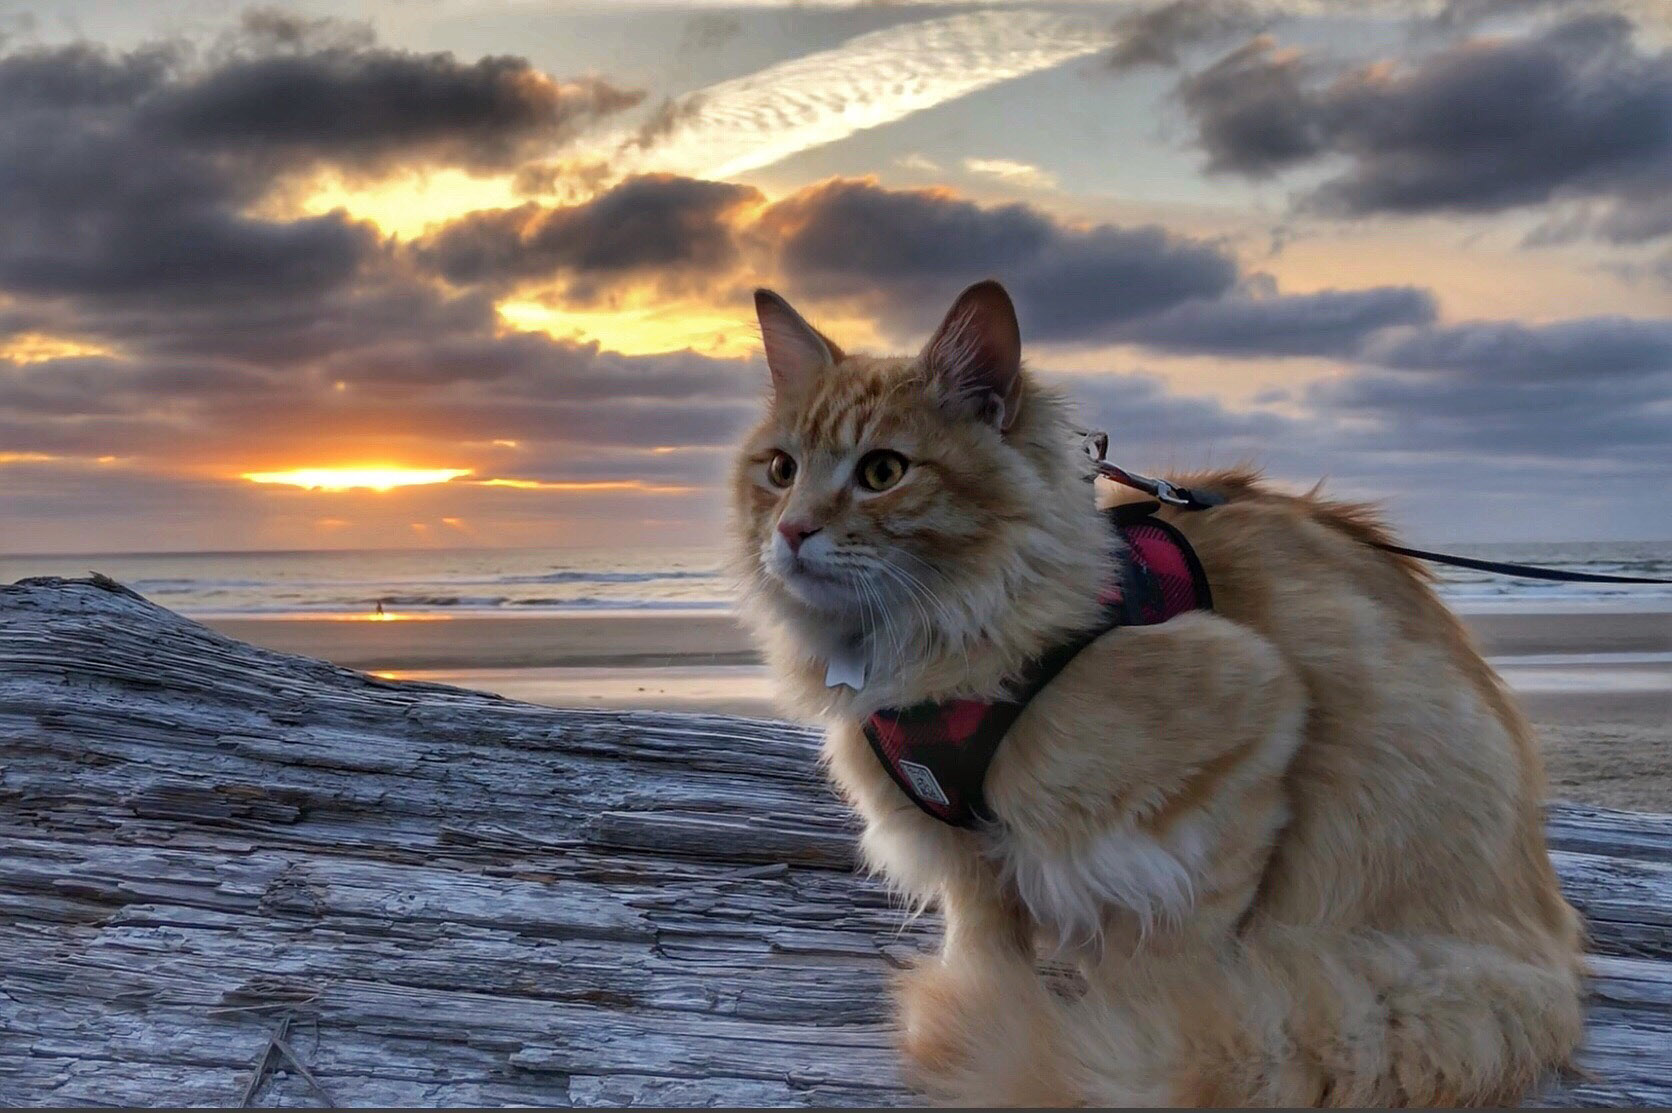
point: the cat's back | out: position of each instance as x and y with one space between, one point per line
1416 791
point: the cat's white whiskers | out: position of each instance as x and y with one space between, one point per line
947 614
895 652
918 592
914 595
956 628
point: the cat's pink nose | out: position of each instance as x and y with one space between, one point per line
796 532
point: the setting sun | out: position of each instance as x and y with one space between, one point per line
346 479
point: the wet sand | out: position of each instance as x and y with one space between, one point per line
1597 684
441 641
660 638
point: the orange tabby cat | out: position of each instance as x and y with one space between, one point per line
1294 843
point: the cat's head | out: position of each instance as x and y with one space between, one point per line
886 491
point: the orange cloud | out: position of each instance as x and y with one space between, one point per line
39 347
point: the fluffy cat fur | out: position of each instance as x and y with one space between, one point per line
1294 844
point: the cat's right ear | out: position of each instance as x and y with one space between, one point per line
976 354
796 352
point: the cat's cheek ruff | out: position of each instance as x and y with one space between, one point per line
1070 891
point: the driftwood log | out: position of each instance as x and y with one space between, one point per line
230 875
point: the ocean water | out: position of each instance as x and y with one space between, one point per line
492 581
530 581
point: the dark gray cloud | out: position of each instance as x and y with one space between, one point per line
130 176
72 502
1463 432
1576 391
905 253
361 108
1646 218
1330 323
1572 111
283 89
80 386
848 232
1643 219
379 306
666 118
91 204
1253 111
1463 15
1150 425
267 30
1156 36
655 222
1509 352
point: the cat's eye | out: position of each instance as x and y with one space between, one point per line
780 470
880 470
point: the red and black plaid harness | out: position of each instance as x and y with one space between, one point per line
938 753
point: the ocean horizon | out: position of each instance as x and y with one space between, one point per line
549 580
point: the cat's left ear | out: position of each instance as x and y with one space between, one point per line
976 354
796 352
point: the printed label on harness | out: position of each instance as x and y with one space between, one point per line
924 782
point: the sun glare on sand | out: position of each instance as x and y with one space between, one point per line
347 479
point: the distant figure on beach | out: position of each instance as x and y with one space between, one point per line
380 608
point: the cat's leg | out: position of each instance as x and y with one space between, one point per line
987 940
942 1001
1300 1016
1292 1017
1151 801
1135 817
1142 793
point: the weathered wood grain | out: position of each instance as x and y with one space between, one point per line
214 857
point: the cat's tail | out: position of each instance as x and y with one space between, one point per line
1296 1018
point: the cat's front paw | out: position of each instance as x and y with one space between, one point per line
936 1002
982 1033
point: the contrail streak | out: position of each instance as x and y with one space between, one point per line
870 80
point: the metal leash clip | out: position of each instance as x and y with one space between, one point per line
1171 495
1096 445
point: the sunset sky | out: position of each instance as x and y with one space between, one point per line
486 266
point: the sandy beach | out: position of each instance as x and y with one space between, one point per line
1598 684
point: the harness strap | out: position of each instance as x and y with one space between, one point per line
938 753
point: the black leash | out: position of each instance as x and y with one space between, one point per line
1097 444
1529 571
